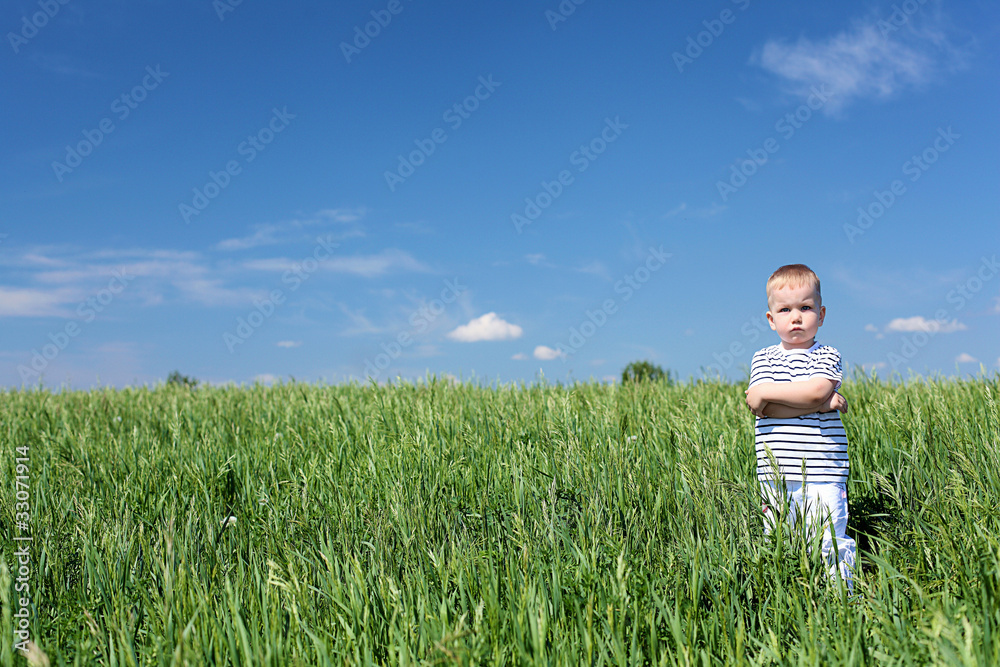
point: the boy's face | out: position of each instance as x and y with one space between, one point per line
796 313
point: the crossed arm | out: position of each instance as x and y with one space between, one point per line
785 400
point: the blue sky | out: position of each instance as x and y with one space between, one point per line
332 191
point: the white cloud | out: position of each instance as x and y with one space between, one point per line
520 356
289 343
262 235
63 282
874 329
360 323
546 353
918 323
76 274
29 302
703 212
276 264
596 268
384 262
149 272
486 327
753 106
427 351
367 266
675 210
862 62
342 214
48 281
414 227
271 233
211 292
41 260
965 358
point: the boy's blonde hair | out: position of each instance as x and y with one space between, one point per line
793 275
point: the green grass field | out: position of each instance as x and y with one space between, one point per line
433 523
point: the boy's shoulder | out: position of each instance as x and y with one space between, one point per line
827 350
768 351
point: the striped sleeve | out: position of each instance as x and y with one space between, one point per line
825 363
759 369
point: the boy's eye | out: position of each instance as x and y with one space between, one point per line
783 310
806 307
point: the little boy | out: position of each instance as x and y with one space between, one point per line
793 393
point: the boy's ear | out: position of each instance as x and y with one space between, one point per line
822 315
770 320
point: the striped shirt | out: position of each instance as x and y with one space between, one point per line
819 438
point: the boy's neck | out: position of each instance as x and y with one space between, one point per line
784 346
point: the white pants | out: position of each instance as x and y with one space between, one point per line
824 507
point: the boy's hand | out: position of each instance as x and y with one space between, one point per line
836 402
755 400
